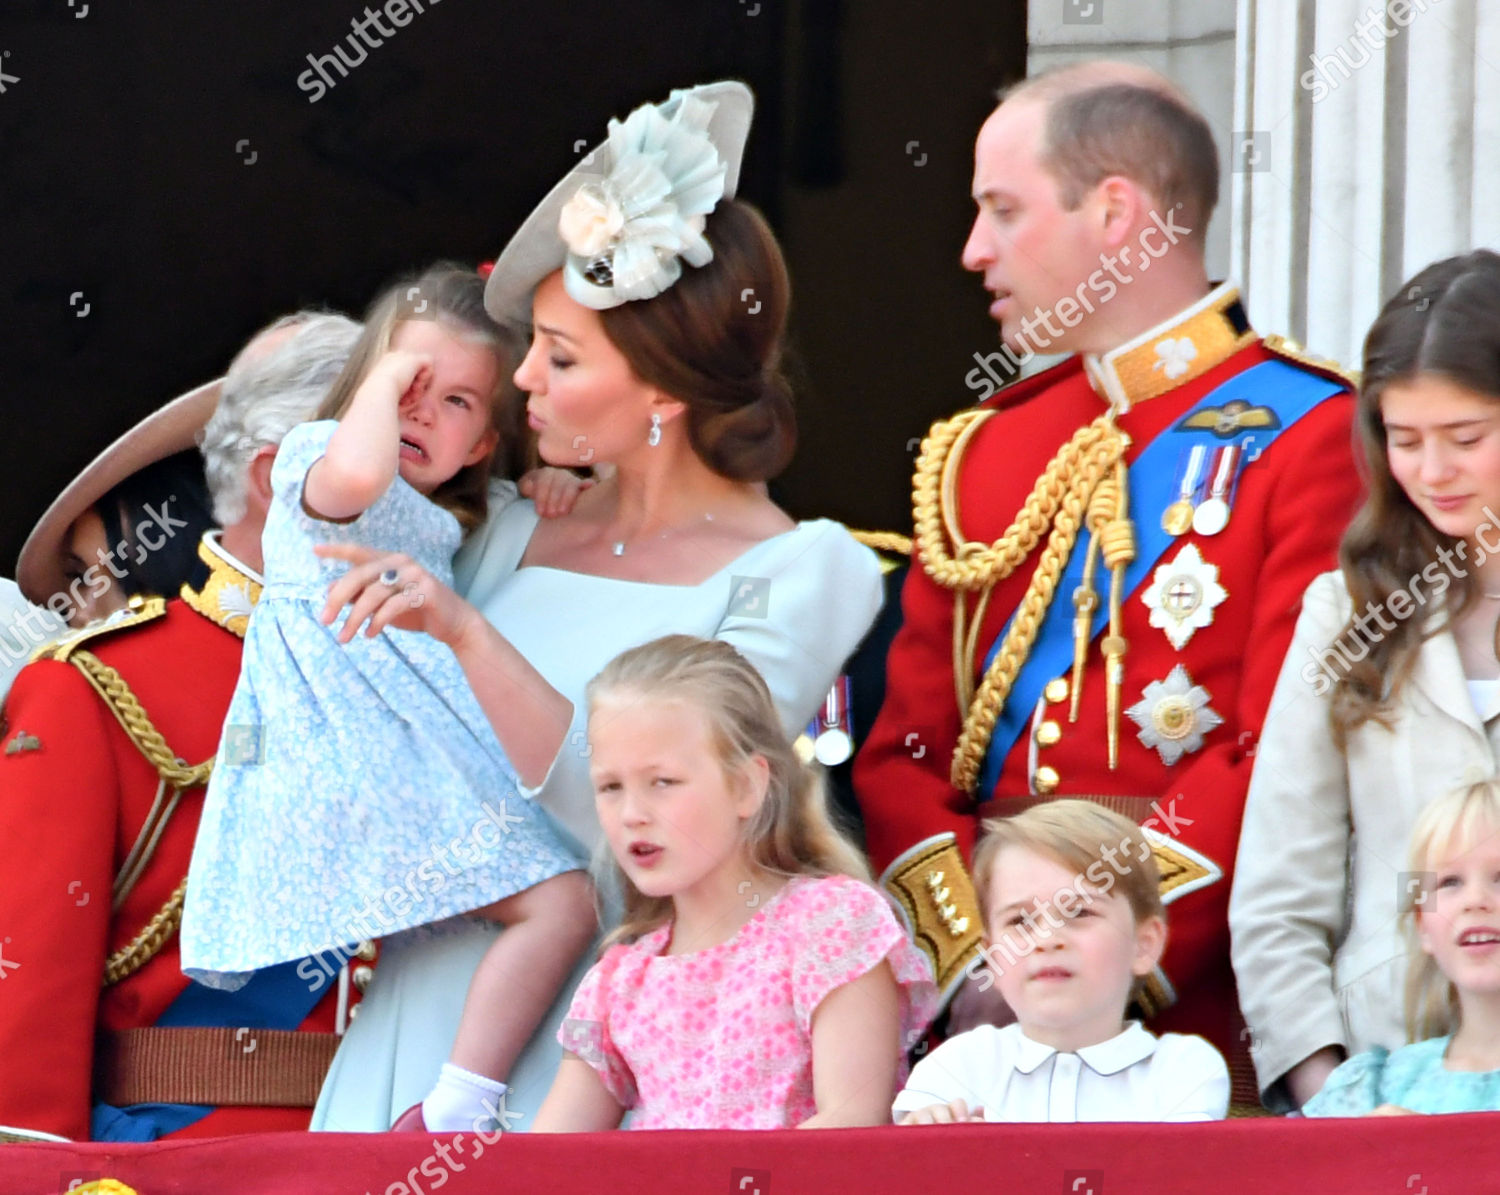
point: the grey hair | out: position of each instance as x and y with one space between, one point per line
265 394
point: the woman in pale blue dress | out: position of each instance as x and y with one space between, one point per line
1452 917
359 789
677 387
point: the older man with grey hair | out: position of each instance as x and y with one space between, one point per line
109 738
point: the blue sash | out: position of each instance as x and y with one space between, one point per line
279 997
1289 393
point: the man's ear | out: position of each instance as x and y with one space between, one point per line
259 473
1121 203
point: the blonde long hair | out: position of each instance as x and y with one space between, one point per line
792 833
454 296
1454 821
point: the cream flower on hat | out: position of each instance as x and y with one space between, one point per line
623 221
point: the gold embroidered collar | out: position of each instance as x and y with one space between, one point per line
231 590
1173 353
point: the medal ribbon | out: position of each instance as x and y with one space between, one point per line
1287 391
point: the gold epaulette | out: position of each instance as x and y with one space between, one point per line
887 544
932 889
1293 351
141 610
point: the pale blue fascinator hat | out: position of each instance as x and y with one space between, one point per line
622 222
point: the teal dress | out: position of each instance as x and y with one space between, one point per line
1412 1077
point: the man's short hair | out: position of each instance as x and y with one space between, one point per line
265 394
1104 119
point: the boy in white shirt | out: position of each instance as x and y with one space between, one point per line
1073 924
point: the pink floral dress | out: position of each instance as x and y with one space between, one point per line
721 1038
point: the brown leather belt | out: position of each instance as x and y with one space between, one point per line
269 1068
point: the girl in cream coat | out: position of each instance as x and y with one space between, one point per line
1389 697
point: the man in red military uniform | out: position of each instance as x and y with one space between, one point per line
1109 555
108 738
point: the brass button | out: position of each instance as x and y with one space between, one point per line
353 1011
1047 780
1056 690
365 951
1048 733
361 976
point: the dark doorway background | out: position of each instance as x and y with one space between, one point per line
166 187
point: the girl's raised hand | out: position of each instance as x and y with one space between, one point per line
388 589
405 372
553 490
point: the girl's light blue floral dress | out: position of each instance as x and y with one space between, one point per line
359 789
1412 1077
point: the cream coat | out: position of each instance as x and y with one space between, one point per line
1317 946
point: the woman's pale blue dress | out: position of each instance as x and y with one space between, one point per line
1412 1077
359 788
795 605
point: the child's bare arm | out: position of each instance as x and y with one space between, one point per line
578 1102
362 455
854 1075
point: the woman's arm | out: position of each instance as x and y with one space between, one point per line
1306 1079
528 715
360 461
856 1049
1287 905
578 1102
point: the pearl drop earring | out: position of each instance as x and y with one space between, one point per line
653 437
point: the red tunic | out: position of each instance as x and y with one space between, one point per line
71 807
1291 508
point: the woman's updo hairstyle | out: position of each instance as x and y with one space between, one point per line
713 340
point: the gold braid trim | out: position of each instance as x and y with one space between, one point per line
145 946
884 541
1057 504
174 772
129 712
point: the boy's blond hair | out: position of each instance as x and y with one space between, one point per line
1104 847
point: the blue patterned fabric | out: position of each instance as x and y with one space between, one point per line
1412 1077
359 788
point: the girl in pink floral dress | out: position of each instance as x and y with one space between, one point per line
758 980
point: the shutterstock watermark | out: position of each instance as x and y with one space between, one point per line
1371 625
1095 882
1371 31
28 630
318 82
1038 333
379 917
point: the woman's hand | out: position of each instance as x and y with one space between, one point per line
1393 1110
553 490
1306 1079
954 1112
388 589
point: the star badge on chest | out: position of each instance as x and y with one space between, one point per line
1182 595
1174 715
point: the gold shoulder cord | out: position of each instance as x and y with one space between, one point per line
175 777
1084 483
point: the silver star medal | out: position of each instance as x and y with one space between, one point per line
1183 594
1174 715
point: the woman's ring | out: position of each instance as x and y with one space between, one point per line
389 578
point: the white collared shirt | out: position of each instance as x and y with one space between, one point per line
1132 1076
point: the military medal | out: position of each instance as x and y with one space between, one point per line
1182 595
832 730
1212 515
1178 517
1174 715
